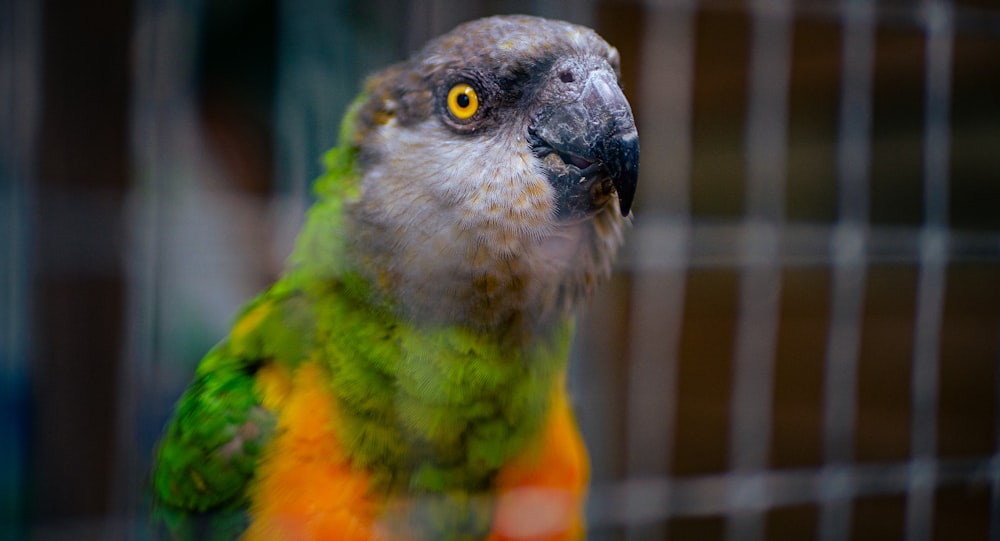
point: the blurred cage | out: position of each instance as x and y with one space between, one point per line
801 338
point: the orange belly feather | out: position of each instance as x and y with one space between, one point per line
541 492
306 489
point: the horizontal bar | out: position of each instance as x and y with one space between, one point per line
649 499
720 244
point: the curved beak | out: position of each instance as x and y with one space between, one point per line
590 147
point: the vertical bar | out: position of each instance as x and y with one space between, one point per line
19 81
848 247
154 86
840 379
760 287
660 245
937 105
319 70
933 262
666 80
995 474
924 391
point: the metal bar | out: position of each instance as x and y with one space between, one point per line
995 481
668 114
658 292
933 256
715 245
20 78
649 498
760 286
848 248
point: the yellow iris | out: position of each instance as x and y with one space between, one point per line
463 101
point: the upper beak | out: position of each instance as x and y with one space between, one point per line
588 145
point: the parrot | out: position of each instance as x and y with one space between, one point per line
404 378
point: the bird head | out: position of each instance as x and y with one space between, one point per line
497 168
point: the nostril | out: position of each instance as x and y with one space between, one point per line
566 76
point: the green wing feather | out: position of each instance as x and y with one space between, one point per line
209 451
211 447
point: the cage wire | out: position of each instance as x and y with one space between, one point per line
800 339
927 480
705 295
836 494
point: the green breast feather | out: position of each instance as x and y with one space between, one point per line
427 411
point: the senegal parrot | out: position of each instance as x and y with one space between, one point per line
404 379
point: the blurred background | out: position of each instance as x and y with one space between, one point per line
801 338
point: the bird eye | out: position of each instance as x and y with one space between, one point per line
463 101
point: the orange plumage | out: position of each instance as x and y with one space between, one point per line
306 488
541 492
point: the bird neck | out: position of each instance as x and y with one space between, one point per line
452 276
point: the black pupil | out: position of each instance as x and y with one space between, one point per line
462 100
